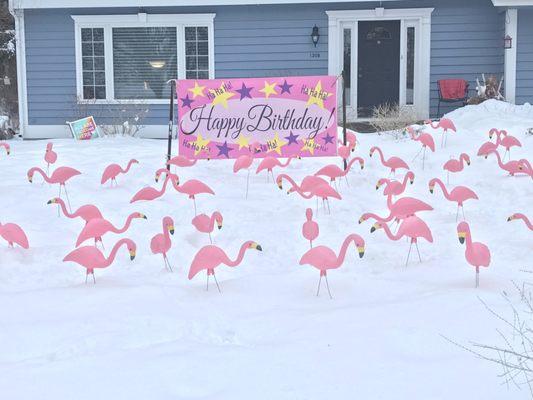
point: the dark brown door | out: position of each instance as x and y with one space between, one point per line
378 58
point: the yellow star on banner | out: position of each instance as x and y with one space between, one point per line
269 89
199 144
316 95
243 141
276 144
197 90
309 146
222 96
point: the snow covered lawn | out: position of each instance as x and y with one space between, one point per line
144 333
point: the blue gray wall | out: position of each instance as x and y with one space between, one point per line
524 57
252 41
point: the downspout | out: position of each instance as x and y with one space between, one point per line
20 43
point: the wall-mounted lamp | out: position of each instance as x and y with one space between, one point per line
507 42
7 81
315 35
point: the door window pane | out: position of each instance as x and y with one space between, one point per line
347 63
196 52
144 59
93 63
409 93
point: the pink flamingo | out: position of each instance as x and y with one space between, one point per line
486 147
395 188
426 140
50 156
113 170
446 125
181 161
149 193
411 227
90 257
323 258
393 163
205 223
13 233
523 218
512 167
344 152
322 191
161 243
209 257
61 175
86 212
96 228
308 183
192 187
333 171
508 141
454 165
526 167
6 147
269 163
401 209
477 254
310 228
245 162
459 194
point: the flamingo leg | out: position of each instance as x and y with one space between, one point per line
417 154
167 263
319 282
442 140
477 277
311 244
346 177
447 177
207 285
419 258
409 253
463 210
272 173
457 212
58 213
68 200
194 202
329 209
317 205
327 285
218 287
424 158
445 138
210 240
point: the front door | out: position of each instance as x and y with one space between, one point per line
378 65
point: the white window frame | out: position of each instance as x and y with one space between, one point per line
142 20
420 18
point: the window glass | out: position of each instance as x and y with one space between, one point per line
93 63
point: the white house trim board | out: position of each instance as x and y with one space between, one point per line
511 29
108 22
63 131
21 4
20 38
420 18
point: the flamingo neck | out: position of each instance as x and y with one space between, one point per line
436 126
239 258
130 163
443 188
389 234
290 180
376 217
286 162
404 183
500 163
64 209
526 220
43 174
468 240
113 254
380 154
343 250
352 161
389 201
212 221
126 224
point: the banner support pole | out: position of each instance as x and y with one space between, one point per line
344 113
170 120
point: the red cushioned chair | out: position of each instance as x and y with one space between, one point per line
452 91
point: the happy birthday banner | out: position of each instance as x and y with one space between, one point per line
293 116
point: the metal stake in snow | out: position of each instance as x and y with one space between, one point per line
171 120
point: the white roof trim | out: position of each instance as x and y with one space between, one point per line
22 4
512 3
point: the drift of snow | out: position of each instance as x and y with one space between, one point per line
144 333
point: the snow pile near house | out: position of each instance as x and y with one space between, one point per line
144 333
492 110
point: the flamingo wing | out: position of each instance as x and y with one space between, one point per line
87 256
14 234
110 172
320 257
208 257
93 229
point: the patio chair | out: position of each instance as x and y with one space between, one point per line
452 91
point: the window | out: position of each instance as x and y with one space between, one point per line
347 63
93 63
410 67
132 57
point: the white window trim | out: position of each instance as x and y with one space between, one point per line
511 29
107 22
418 17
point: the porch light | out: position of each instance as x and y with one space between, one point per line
315 35
157 64
507 42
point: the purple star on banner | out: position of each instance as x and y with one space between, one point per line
285 88
224 150
328 138
292 138
244 91
186 101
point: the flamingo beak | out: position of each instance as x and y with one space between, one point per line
8 152
30 178
462 236
377 186
51 201
431 188
299 157
219 225
361 251
361 220
171 229
289 191
142 216
157 178
132 255
256 246
412 181
362 165
374 228
509 219
280 185
468 163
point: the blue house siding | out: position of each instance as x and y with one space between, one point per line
524 57
254 41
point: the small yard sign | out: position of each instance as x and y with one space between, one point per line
84 129
293 116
